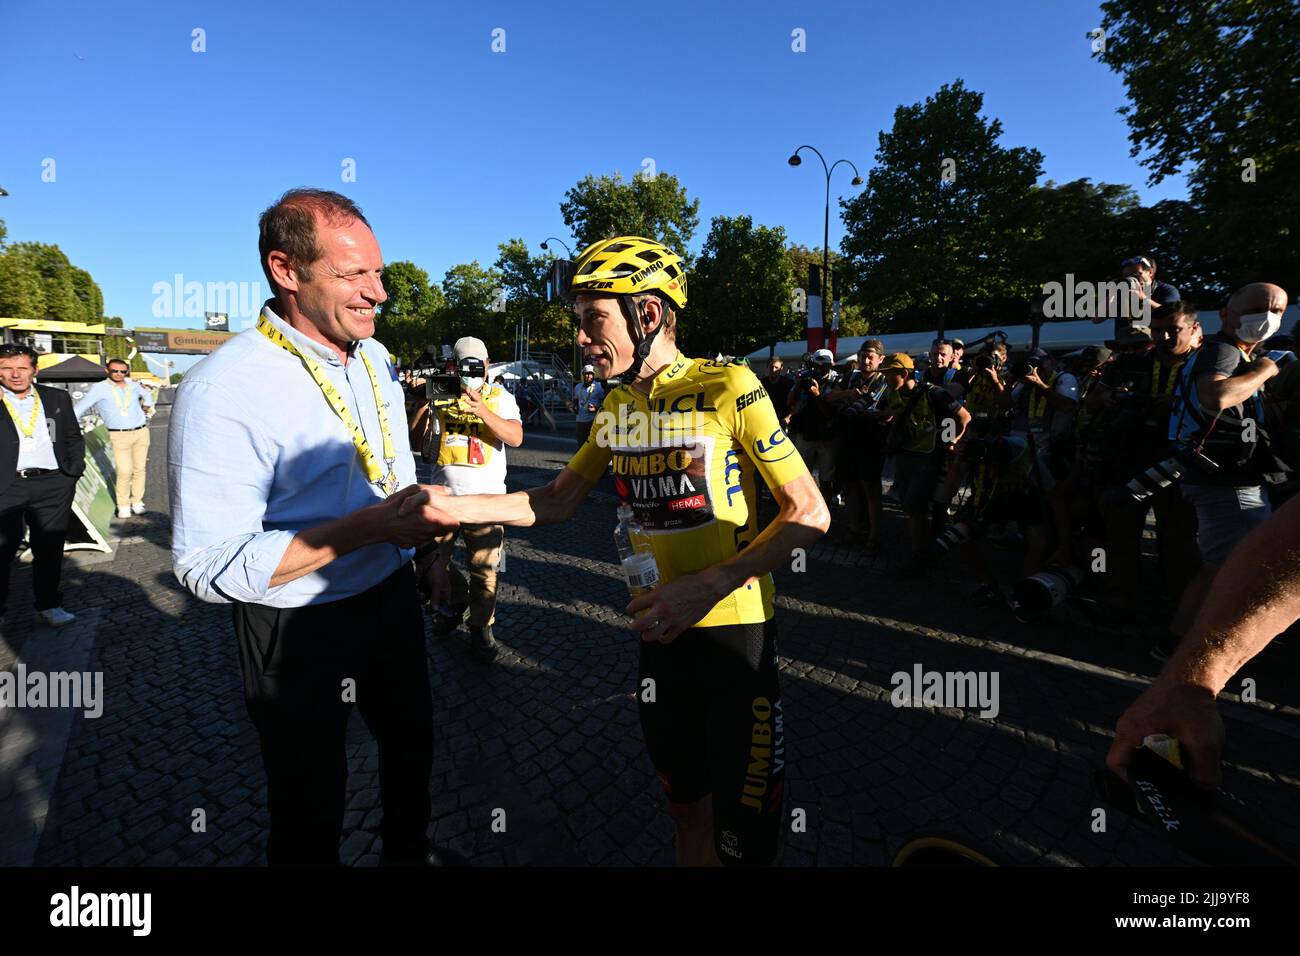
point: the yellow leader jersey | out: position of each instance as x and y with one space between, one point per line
684 457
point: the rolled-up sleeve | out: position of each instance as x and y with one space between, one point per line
83 407
220 470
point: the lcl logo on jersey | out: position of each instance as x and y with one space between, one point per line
777 448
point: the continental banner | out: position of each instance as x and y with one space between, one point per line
162 341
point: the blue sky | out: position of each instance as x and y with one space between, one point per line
165 157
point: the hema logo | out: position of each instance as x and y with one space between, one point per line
76 909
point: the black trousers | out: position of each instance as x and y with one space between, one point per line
45 501
302 668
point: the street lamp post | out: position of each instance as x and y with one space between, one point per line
794 160
560 241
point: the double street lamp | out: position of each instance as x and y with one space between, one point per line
794 160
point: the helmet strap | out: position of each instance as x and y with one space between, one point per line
644 343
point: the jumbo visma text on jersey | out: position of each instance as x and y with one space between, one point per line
685 457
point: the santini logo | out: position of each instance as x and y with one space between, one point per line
103 909
958 689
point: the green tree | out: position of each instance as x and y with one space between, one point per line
176 377
475 301
741 290
88 293
61 301
552 326
22 292
853 321
407 322
1212 86
115 346
655 207
944 213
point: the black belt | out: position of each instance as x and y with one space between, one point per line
34 472
136 429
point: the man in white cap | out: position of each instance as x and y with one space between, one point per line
472 434
587 396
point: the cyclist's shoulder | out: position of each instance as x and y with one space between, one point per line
726 377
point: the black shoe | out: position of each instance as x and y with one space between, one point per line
444 623
483 644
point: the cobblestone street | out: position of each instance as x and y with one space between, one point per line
550 734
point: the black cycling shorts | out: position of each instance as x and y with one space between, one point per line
715 728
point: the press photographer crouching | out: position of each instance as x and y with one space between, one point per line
467 424
1223 455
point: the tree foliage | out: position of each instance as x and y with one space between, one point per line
653 206
741 291
407 322
944 212
1212 86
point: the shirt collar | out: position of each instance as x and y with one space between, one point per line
26 398
308 347
670 372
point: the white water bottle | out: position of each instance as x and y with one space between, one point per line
635 552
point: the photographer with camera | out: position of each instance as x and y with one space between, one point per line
860 444
1225 458
811 417
1044 398
1146 296
470 421
1130 408
925 425
981 383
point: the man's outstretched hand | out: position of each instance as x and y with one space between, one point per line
408 519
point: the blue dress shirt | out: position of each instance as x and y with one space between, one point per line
108 401
256 454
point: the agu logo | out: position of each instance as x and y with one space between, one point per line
777 448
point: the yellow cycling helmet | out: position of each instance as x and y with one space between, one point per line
630 265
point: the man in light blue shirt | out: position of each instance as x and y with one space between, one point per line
121 403
286 451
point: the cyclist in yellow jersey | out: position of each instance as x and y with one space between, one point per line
686 438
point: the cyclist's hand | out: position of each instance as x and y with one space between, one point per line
1180 710
672 608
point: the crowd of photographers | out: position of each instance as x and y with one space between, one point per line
1062 458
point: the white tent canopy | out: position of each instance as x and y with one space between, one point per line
1055 336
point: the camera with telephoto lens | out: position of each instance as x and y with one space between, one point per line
952 536
1037 594
1165 473
440 389
982 362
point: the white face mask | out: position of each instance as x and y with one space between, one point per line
473 384
1258 326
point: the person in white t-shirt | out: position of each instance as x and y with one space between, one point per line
473 433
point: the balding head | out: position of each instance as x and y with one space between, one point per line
1258 297
1263 303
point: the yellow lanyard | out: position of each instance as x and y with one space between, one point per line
1038 399
30 430
373 472
123 406
1159 390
